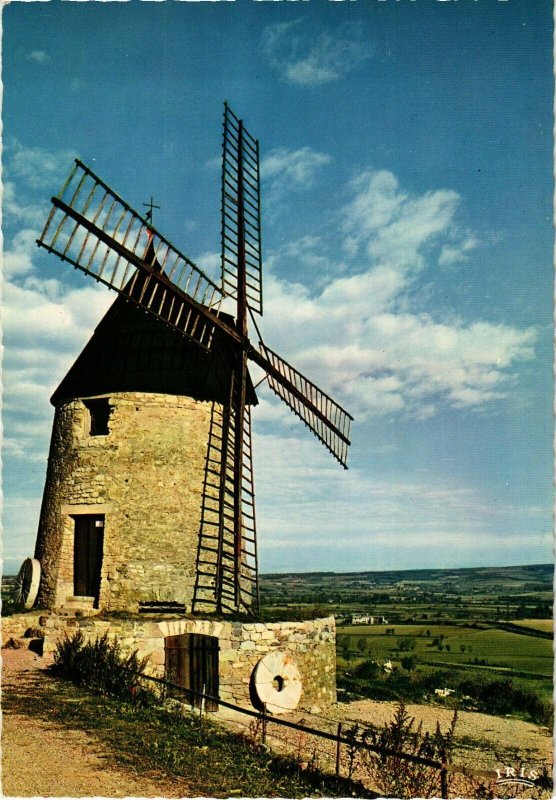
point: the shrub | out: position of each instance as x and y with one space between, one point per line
395 776
493 695
505 696
362 645
101 667
366 670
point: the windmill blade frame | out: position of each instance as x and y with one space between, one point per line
226 576
100 234
241 214
317 410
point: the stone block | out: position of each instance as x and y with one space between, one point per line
227 655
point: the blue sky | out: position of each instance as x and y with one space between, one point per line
407 235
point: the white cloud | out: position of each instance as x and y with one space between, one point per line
285 170
394 228
376 362
302 496
363 336
211 265
454 254
17 258
38 56
19 212
35 167
306 55
297 167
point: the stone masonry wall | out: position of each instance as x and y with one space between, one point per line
311 644
146 477
16 625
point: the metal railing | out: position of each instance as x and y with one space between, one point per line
338 737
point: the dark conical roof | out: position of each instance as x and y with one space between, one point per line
132 351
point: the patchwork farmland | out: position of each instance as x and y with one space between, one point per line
476 632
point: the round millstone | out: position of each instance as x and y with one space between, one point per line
277 682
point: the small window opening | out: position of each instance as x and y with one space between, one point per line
99 412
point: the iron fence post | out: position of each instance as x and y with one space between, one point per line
443 778
338 748
264 724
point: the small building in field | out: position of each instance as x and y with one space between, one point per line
368 619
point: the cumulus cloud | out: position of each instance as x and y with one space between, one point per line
397 229
35 167
309 56
284 170
17 258
211 265
363 337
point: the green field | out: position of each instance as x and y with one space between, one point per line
545 625
455 645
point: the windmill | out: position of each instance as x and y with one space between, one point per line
96 231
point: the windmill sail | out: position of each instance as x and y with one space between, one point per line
324 416
241 214
91 227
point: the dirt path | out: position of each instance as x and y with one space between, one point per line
42 759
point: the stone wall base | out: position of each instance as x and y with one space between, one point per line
310 644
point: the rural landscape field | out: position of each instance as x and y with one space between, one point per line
434 642
483 633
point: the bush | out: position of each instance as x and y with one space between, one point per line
500 695
395 776
505 696
9 607
362 645
101 667
366 670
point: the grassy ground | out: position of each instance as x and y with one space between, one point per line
214 762
537 624
474 690
458 645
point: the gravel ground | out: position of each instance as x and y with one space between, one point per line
483 742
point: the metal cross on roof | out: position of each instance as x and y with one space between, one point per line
150 206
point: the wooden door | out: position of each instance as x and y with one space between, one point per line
191 661
87 555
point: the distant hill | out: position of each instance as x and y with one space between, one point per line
520 573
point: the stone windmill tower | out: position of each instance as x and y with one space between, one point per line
149 492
